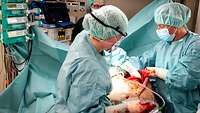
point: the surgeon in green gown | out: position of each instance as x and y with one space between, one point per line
175 59
84 82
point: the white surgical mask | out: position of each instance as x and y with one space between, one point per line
165 35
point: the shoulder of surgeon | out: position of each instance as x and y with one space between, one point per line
193 42
81 47
194 36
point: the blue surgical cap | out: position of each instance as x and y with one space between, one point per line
109 15
90 2
173 14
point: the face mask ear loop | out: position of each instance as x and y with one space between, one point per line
115 45
111 53
174 34
110 58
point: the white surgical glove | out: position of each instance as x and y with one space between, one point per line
119 108
159 72
131 69
198 111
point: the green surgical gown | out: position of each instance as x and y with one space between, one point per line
182 58
83 81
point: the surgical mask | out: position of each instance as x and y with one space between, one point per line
116 57
164 35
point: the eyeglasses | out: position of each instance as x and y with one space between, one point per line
114 28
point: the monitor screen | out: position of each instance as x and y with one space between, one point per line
55 12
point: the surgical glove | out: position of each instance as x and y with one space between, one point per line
131 69
159 72
140 106
116 57
119 108
134 106
198 111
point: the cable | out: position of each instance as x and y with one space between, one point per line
145 87
10 71
29 53
26 60
160 108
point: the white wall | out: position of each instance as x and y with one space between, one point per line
197 30
129 7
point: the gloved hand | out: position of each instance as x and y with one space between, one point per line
116 57
119 108
130 68
198 111
138 106
134 107
159 72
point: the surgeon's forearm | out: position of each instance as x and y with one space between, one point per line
158 72
161 73
116 108
161 77
130 68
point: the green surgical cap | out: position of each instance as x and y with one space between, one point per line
173 14
89 2
109 15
